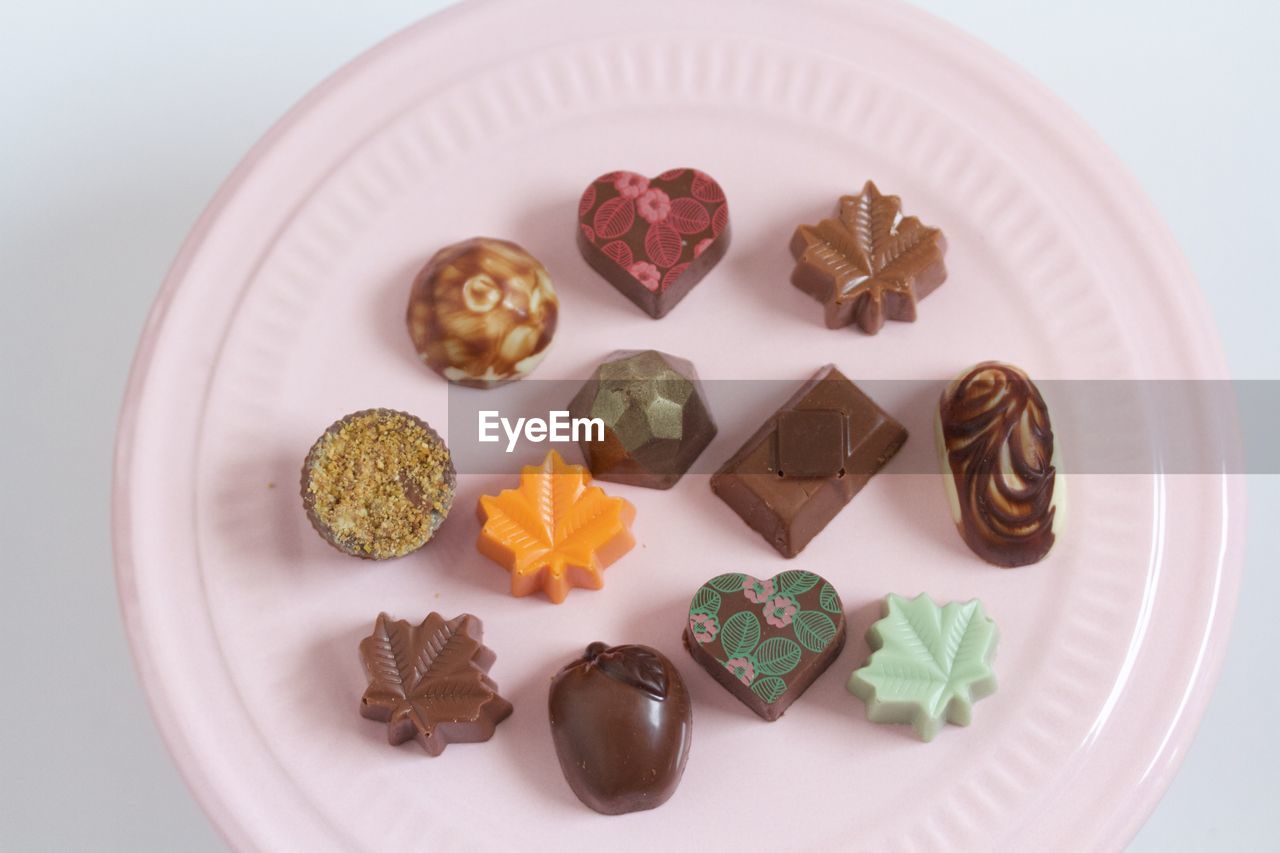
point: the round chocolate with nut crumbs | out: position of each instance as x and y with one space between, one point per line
378 484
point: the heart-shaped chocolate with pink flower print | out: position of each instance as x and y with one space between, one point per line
766 641
653 238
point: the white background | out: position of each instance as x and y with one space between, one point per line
117 123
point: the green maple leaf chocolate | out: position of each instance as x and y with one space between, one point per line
929 664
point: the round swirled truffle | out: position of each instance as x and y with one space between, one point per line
482 312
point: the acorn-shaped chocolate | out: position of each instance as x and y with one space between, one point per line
621 720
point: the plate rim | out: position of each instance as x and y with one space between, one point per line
1047 109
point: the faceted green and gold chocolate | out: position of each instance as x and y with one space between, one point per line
766 641
655 414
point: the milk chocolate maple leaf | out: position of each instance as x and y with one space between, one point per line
869 263
555 531
929 664
430 683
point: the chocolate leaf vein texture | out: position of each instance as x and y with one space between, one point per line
555 518
777 656
740 633
636 666
769 688
814 629
829 599
444 650
706 600
404 656
730 583
793 583
935 660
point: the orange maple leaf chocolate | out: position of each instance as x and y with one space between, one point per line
869 263
555 531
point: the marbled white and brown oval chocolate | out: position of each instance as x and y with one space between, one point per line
1001 465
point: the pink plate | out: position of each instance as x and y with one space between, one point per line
285 310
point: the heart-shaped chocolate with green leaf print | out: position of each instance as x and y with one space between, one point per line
765 641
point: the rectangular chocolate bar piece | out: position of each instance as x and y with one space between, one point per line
790 507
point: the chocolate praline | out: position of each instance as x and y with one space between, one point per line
1001 464
766 641
430 682
869 263
655 414
622 721
378 484
808 460
482 312
655 238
